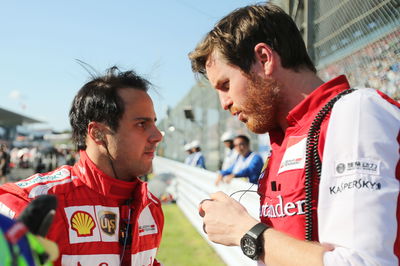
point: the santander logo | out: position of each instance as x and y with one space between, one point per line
282 209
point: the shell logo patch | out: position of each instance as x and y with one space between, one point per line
82 223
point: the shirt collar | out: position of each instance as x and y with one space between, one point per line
97 180
309 107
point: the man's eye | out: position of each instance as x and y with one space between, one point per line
142 124
225 86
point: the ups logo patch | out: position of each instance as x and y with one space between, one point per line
107 221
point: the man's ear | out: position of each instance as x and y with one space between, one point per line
95 132
265 57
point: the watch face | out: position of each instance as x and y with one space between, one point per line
248 246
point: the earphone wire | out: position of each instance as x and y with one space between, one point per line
244 192
111 161
126 233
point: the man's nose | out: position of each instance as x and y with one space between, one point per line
156 135
224 100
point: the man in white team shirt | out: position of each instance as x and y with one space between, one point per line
248 163
188 149
198 159
230 153
348 213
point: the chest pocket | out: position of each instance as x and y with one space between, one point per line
147 230
282 193
286 173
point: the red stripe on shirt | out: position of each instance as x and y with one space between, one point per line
397 242
387 98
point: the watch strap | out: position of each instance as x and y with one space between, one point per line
257 230
255 233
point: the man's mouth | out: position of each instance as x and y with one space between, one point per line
149 152
235 112
239 115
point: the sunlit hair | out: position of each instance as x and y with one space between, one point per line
99 101
236 35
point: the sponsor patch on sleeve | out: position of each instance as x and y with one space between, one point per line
39 178
5 210
360 166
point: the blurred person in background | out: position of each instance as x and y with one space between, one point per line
198 159
23 157
343 210
248 163
230 153
4 163
105 214
189 152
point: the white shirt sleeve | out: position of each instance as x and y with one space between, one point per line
359 190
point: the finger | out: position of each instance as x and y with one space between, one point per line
201 209
220 196
201 202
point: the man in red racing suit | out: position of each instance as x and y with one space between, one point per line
105 214
92 214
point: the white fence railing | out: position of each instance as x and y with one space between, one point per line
195 184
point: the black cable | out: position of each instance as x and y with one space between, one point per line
313 163
126 232
110 159
244 192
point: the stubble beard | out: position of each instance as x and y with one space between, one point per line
262 104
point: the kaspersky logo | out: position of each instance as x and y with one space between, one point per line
82 223
107 222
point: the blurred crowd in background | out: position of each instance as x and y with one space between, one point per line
26 160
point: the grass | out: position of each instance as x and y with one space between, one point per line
181 244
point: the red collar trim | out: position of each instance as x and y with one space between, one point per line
316 100
97 180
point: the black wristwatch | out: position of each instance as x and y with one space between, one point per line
252 243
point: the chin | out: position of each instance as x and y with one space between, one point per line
147 170
258 128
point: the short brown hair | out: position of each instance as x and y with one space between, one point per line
236 35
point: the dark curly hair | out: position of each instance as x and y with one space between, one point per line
99 101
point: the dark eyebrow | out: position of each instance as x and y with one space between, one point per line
146 119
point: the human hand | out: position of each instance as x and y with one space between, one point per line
225 219
229 178
218 179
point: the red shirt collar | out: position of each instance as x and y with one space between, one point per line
94 178
316 100
306 110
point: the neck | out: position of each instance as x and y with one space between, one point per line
296 87
246 153
101 160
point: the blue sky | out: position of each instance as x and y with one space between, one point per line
40 41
